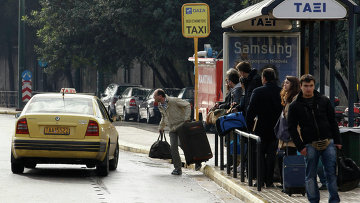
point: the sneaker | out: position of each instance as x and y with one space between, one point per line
176 172
197 166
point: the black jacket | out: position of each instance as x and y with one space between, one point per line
234 95
302 114
250 83
265 103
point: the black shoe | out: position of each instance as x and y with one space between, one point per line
197 166
270 186
323 187
255 185
176 172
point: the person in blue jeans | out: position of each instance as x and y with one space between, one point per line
319 139
321 175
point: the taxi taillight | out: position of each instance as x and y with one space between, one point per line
92 129
132 102
21 127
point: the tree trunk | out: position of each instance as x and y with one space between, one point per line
170 70
158 75
68 75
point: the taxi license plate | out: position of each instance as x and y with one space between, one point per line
56 131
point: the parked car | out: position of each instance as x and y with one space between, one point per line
149 111
111 95
60 128
339 114
187 94
127 106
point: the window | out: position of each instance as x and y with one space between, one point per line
102 110
61 105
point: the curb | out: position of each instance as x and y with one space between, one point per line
218 177
9 112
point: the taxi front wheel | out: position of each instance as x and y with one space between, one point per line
17 166
102 168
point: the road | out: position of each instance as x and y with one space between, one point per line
137 179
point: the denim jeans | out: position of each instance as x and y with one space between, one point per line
328 158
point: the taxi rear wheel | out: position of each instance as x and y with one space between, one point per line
17 166
114 162
102 168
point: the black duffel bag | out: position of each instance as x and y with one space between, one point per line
348 176
160 149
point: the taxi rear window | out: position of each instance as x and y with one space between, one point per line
61 105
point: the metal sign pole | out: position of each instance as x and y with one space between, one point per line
196 106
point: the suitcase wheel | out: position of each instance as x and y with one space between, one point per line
303 194
290 194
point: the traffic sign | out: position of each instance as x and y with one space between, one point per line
26 75
42 64
195 18
26 90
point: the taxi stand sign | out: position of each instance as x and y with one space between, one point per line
195 20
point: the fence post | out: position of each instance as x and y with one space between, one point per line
228 154
235 154
221 152
216 149
242 161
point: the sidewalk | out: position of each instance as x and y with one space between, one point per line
139 141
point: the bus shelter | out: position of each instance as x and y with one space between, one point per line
268 23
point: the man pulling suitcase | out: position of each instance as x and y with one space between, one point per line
174 113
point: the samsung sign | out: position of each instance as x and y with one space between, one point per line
260 49
309 9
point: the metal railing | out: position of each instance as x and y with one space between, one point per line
249 153
8 98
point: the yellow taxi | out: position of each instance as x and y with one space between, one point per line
63 128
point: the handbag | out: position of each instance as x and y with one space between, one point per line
348 173
160 149
281 129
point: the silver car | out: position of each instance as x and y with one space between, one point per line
127 104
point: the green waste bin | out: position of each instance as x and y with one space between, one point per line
351 143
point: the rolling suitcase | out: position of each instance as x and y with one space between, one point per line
194 142
294 174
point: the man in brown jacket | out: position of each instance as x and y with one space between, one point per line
174 112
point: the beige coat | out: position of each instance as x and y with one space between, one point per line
177 112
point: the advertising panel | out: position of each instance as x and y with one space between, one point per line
260 49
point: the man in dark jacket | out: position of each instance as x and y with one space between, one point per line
232 81
250 78
265 104
319 134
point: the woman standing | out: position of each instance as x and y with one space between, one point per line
291 87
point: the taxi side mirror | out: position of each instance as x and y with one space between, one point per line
17 115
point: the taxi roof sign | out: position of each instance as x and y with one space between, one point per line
195 19
68 91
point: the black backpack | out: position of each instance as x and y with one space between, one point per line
160 149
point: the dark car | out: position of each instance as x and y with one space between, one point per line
149 111
128 103
187 94
111 95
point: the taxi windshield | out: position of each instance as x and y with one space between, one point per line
61 105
